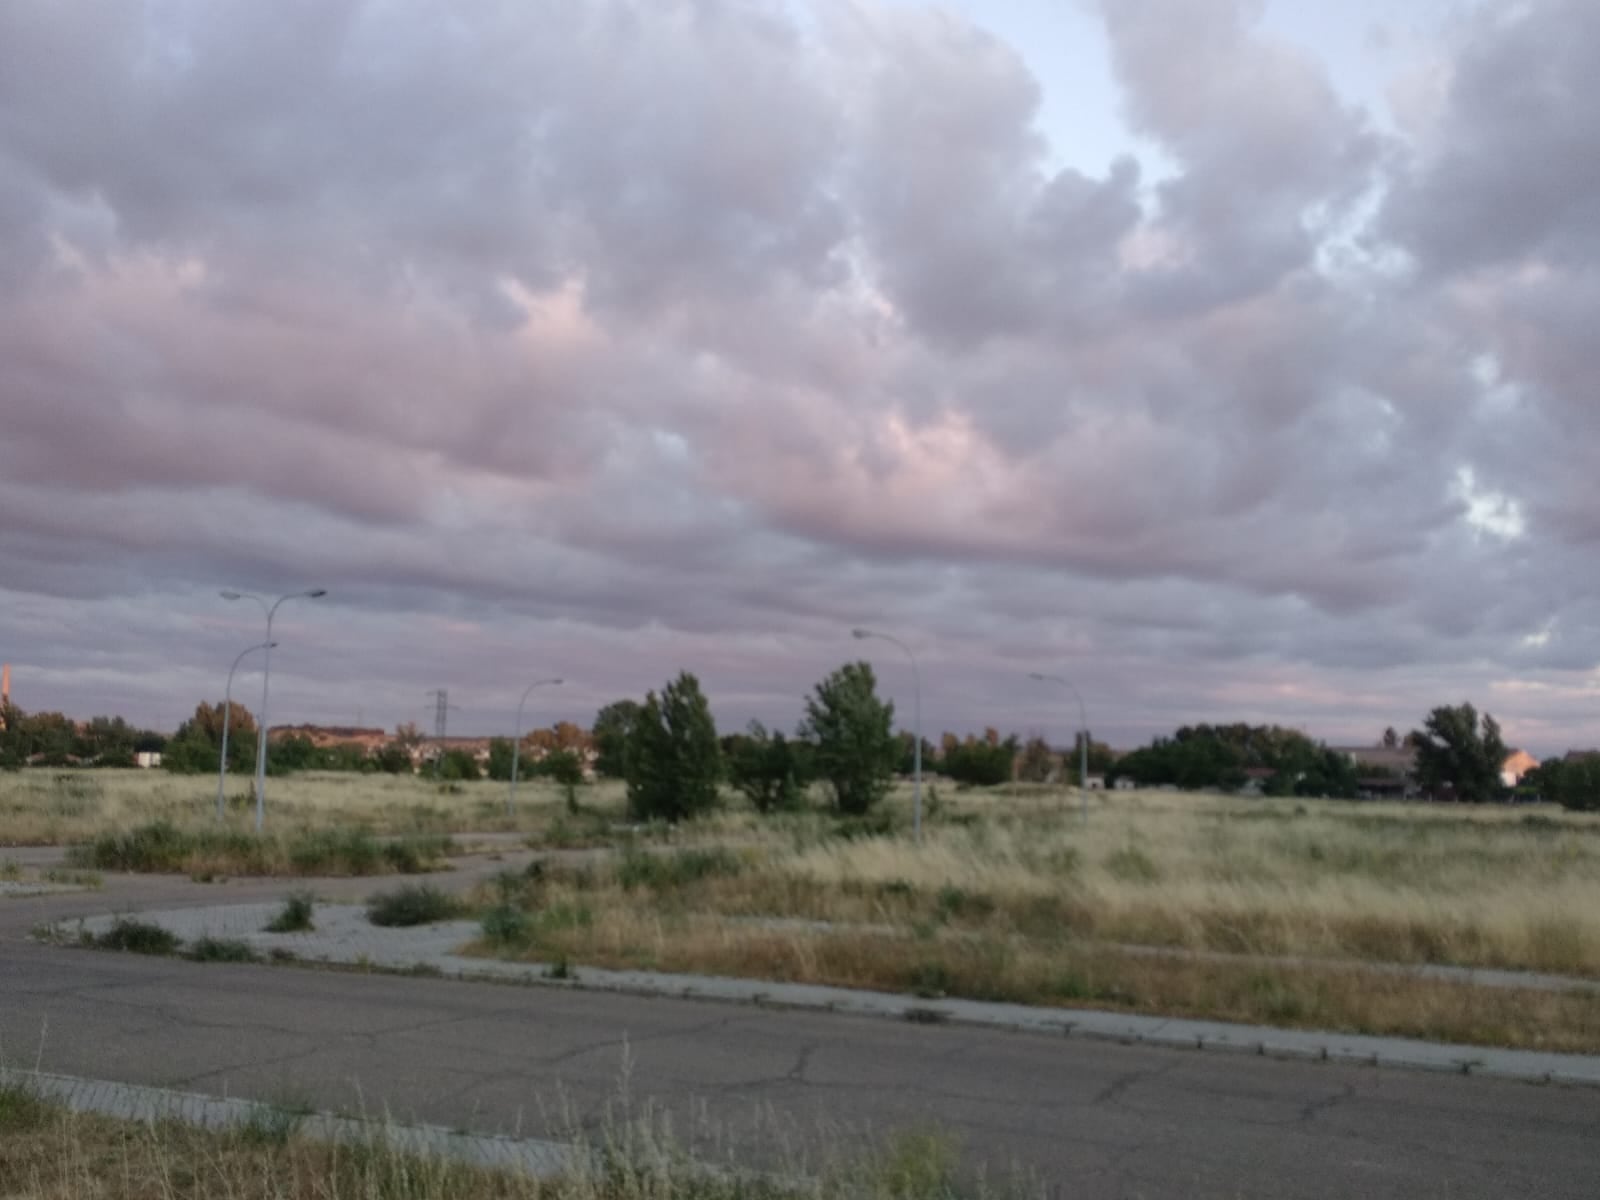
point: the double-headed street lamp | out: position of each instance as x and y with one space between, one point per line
916 681
266 667
1083 739
227 711
516 739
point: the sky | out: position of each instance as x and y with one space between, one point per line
1232 359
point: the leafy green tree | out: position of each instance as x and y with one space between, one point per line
458 764
393 759
852 734
1573 783
1037 762
194 748
980 762
613 726
1457 752
768 768
673 760
499 765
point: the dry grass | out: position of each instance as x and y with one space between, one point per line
47 1153
1011 898
56 807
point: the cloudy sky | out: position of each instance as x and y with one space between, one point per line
1235 358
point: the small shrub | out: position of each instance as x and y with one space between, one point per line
295 916
137 937
224 950
505 925
661 872
413 904
20 1109
955 902
157 848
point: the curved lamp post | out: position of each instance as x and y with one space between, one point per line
516 739
266 667
1083 739
227 711
916 751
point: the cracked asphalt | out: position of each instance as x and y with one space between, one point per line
1092 1119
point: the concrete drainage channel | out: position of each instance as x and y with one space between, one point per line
343 935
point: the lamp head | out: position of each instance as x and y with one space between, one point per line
230 594
555 683
1037 675
861 633
316 593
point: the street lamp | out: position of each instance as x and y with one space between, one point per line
516 739
266 667
916 680
227 711
1083 739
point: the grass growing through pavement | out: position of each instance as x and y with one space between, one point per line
295 916
412 904
48 1153
164 848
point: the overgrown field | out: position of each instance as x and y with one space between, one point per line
1010 897
40 806
48 1153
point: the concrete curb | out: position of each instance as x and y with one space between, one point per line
132 1102
345 938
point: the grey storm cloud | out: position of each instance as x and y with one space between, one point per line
634 335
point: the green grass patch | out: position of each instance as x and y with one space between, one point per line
413 904
665 871
163 848
295 915
223 950
137 937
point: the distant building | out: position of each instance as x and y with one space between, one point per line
1383 772
147 759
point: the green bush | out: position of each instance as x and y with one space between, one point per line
295 916
157 848
137 937
225 950
506 925
413 904
660 872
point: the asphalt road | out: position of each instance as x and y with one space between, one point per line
1092 1119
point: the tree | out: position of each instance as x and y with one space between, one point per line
980 763
852 733
767 768
1391 739
672 761
1037 763
500 760
613 726
394 759
195 747
457 763
1573 782
1455 751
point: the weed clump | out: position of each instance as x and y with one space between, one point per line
413 904
663 872
223 950
295 916
137 937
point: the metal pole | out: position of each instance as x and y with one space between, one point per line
916 752
227 712
266 668
1083 740
516 740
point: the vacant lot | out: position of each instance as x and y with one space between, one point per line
1009 896
40 806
